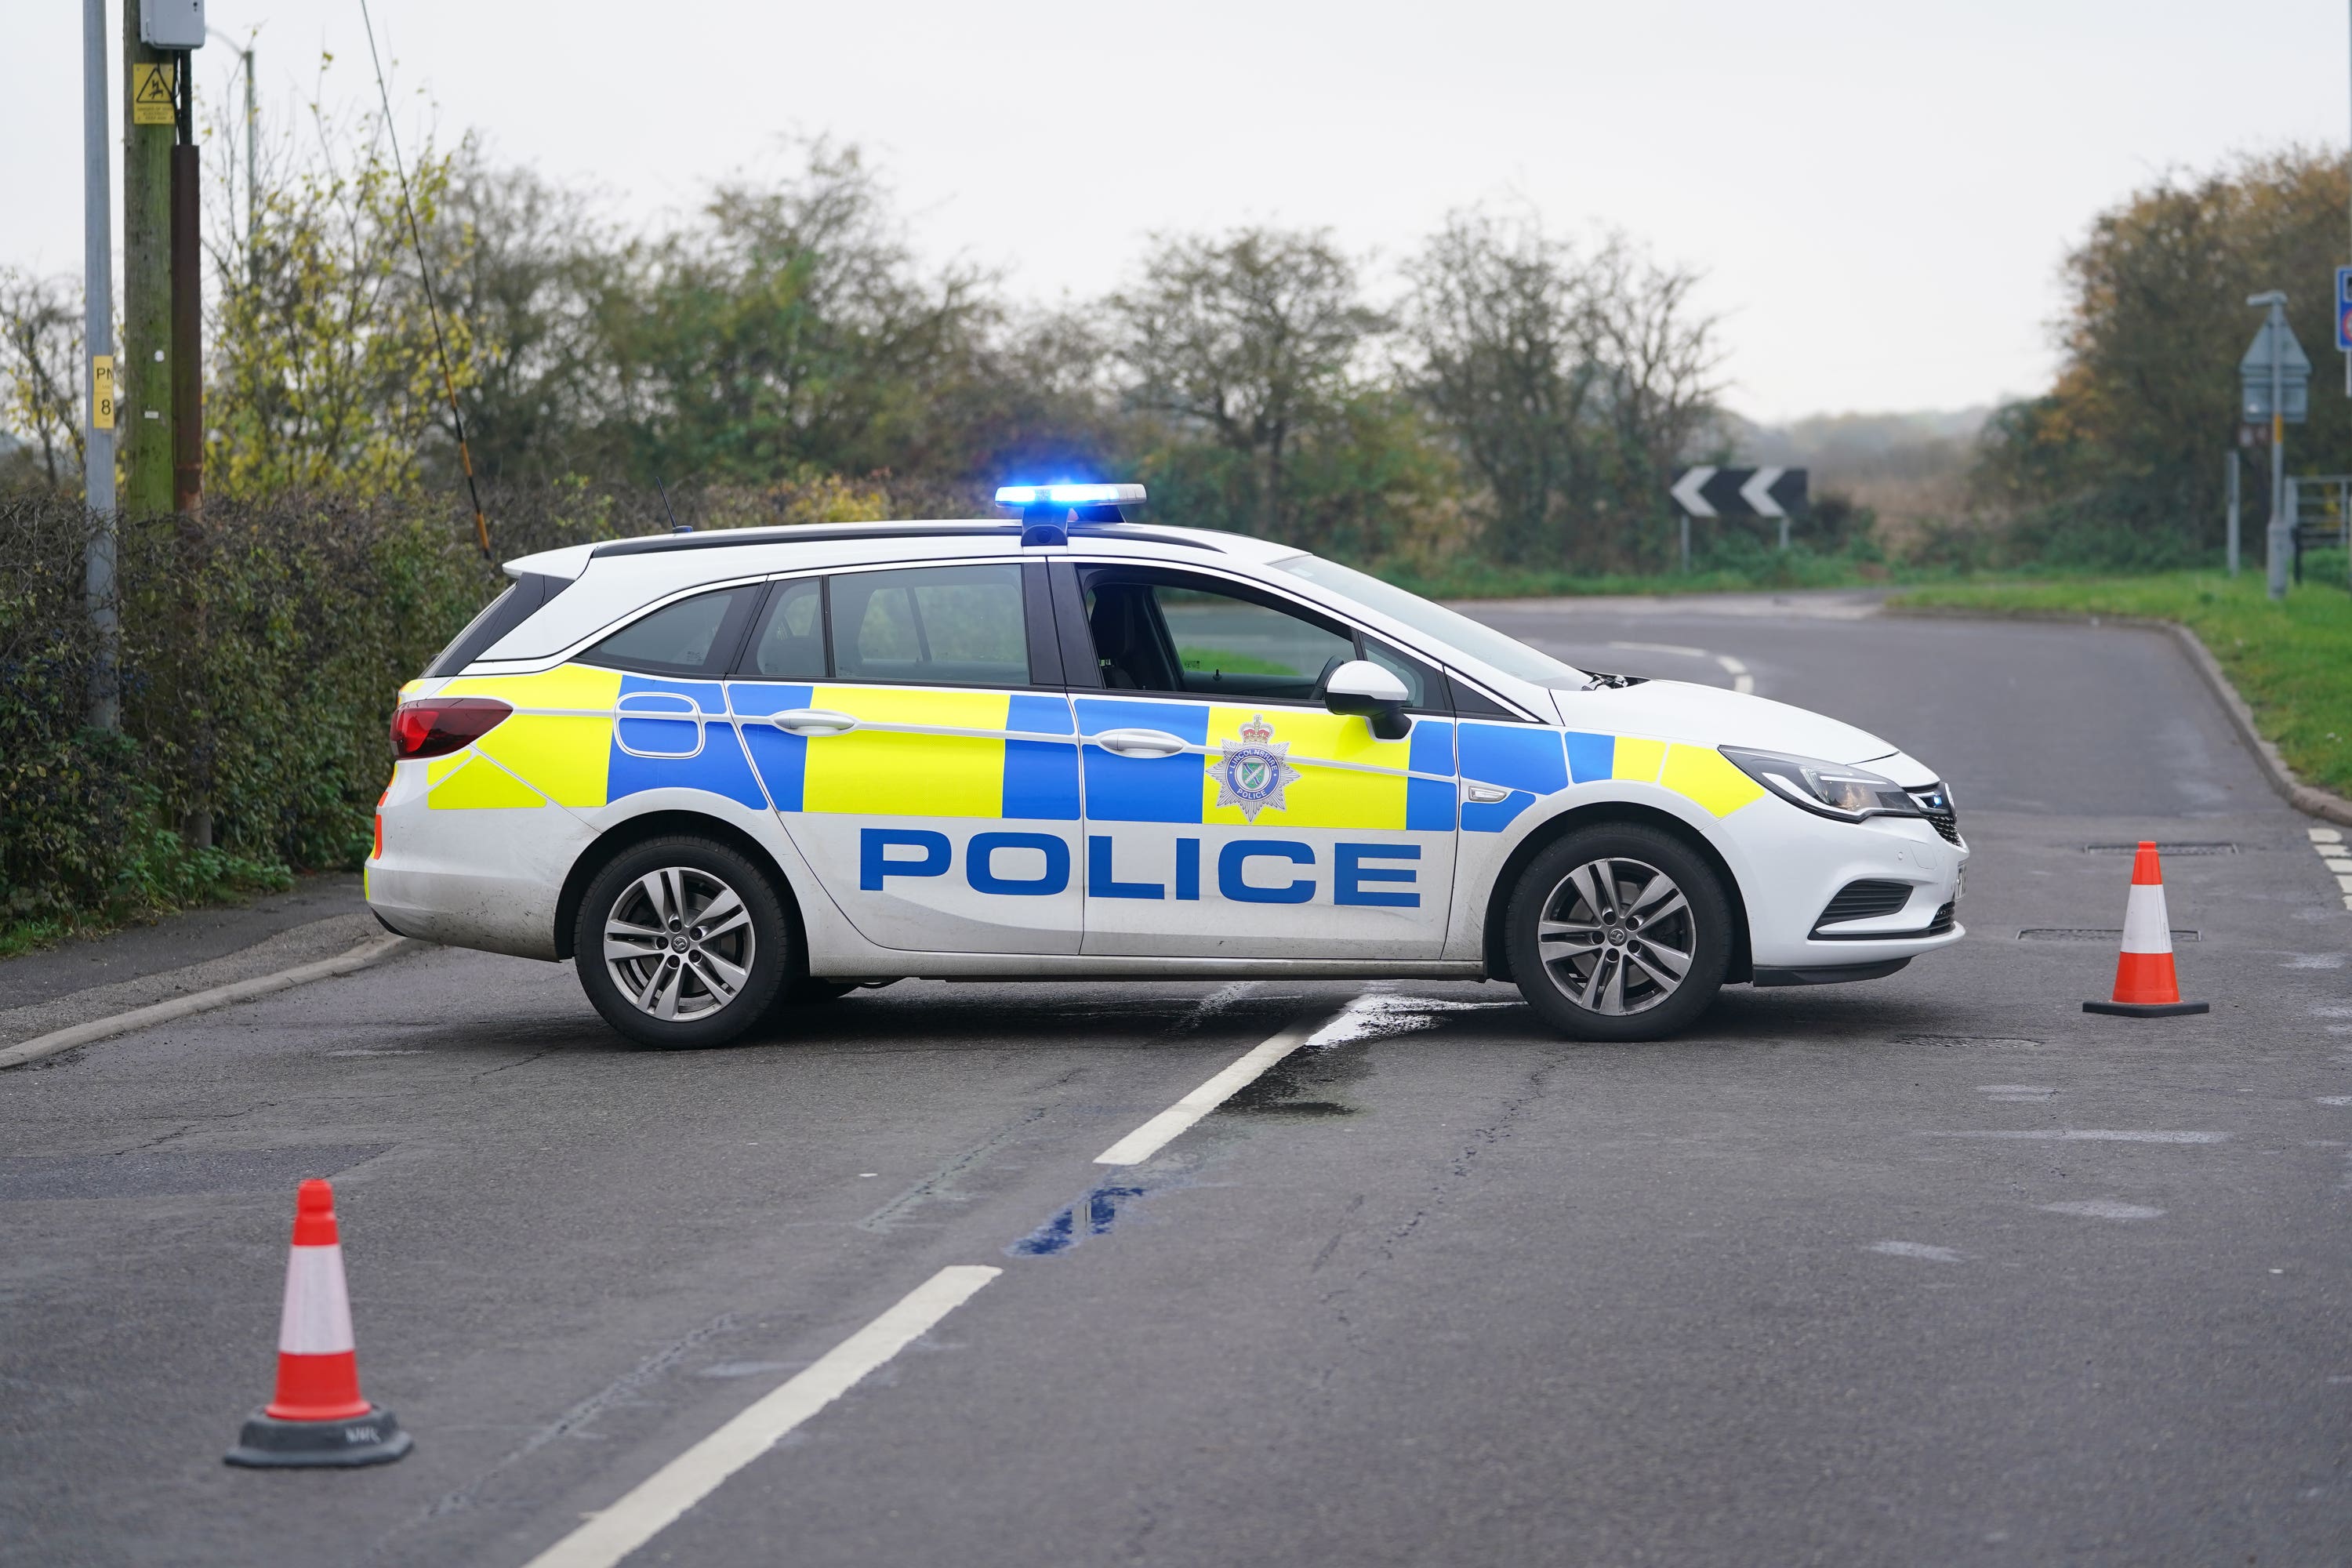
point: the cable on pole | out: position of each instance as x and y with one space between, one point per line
424 271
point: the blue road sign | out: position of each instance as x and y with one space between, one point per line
2344 308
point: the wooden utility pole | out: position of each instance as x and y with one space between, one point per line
150 129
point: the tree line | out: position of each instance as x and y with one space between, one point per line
1506 391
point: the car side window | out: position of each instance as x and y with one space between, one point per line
1165 632
949 626
692 637
1424 687
789 643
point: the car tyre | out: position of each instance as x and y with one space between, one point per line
1619 931
682 943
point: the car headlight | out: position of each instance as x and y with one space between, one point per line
1827 789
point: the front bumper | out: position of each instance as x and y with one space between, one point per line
1796 862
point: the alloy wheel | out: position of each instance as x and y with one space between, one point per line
1616 936
679 943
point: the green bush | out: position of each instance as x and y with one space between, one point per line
261 653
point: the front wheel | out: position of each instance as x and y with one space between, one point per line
681 942
1619 933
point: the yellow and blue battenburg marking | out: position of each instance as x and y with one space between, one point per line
1345 777
1530 761
585 737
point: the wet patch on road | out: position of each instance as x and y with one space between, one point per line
1093 1215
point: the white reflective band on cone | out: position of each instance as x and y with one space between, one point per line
2146 927
317 1317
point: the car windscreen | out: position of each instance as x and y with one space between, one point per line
1451 627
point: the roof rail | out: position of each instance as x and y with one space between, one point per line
818 534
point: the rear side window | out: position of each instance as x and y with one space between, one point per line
524 599
693 637
950 625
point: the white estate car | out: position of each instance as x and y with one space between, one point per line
728 772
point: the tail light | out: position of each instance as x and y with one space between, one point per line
437 726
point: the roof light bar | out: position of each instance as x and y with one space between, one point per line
1069 495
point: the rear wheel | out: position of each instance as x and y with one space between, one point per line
1619 933
680 942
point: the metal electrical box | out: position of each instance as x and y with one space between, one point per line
171 24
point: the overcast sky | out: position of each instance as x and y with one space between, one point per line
1879 192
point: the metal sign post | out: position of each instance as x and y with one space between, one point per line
2274 384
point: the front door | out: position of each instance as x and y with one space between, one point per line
923 765
1228 814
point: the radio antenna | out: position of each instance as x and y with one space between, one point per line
432 305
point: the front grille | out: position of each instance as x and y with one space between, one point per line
1866 901
1935 802
1945 918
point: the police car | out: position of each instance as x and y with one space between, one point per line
733 772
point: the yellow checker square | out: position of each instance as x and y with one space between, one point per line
1320 796
880 771
565 755
1709 777
1638 761
481 786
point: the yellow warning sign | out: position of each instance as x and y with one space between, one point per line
101 392
151 100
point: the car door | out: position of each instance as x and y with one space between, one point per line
1228 814
910 729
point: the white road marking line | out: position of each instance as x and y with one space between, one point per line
2326 835
1157 1133
2335 1100
659 1501
1919 1249
1661 647
1740 680
2094 1135
2104 1208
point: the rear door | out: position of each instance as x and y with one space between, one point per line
1228 813
909 726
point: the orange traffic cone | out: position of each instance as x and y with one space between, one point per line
319 1416
2146 986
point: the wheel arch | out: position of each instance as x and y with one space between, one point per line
1742 965
622 837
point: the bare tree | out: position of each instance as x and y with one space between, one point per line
1498 317
1251 338
41 370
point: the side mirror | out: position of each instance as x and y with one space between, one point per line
1364 688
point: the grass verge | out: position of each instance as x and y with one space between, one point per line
2292 662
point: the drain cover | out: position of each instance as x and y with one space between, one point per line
2161 848
2088 934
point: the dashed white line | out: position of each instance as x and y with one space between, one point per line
2337 856
1918 1250
659 1502
1155 1134
2093 1135
2104 1208
1740 680
1674 648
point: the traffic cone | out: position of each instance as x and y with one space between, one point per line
2146 986
319 1416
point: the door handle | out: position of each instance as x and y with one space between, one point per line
1139 743
814 722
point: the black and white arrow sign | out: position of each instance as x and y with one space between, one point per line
1740 492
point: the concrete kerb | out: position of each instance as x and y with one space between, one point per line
2309 799
371 951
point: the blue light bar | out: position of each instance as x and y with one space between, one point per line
1069 495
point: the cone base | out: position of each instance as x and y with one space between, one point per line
267 1442
2147 1009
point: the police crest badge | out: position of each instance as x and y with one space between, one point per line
1255 770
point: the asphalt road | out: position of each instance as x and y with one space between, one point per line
1881 1273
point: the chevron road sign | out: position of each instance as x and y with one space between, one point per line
1740 492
